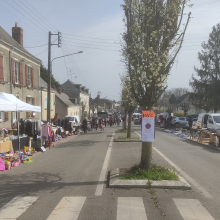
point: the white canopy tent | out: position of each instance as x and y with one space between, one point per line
21 106
6 106
10 103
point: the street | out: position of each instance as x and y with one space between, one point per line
66 182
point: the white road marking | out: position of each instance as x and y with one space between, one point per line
131 208
113 135
192 209
137 134
100 185
68 209
200 188
16 207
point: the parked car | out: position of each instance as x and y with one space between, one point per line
73 119
194 120
181 121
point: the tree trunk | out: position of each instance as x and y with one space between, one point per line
125 121
129 126
146 155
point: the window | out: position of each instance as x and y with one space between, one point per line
51 104
216 119
17 72
210 120
30 77
1 67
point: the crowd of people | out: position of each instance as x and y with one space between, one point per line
100 123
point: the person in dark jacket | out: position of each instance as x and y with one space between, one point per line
190 122
84 125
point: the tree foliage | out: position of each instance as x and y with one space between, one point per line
152 42
206 83
185 107
172 99
45 76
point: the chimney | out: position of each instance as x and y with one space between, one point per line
59 90
54 87
17 34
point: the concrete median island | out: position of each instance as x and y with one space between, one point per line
116 182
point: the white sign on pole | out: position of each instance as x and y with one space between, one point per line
148 129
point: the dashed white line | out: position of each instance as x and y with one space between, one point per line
99 188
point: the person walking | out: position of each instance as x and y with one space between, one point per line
84 125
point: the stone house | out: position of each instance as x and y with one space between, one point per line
64 106
43 87
78 94
19 72
184 99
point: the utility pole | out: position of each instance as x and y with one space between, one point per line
49 72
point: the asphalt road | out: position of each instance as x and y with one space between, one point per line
64 181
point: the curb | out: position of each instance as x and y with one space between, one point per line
127 140
115 182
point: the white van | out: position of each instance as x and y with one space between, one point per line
73 119
212 120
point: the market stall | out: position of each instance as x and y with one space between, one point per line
19 106
6 106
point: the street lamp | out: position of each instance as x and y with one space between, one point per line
49 86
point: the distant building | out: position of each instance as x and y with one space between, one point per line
64 106
78 94
43 88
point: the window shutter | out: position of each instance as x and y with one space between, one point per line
21 73
6 116
26 74
13 70
32 72
1 68
27 113
33 101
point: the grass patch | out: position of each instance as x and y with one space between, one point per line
122 131
125 138
156 173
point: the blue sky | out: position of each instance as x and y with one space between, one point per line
94 26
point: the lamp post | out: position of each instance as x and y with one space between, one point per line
49 86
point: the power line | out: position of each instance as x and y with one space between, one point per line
42 16
35 14
90 47
26 17
40 45
90 40
41 52
91 44
90 37
29 15
22 20
37 46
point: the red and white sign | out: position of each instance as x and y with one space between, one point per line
148 126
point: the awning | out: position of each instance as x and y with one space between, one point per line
21 106
6 106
